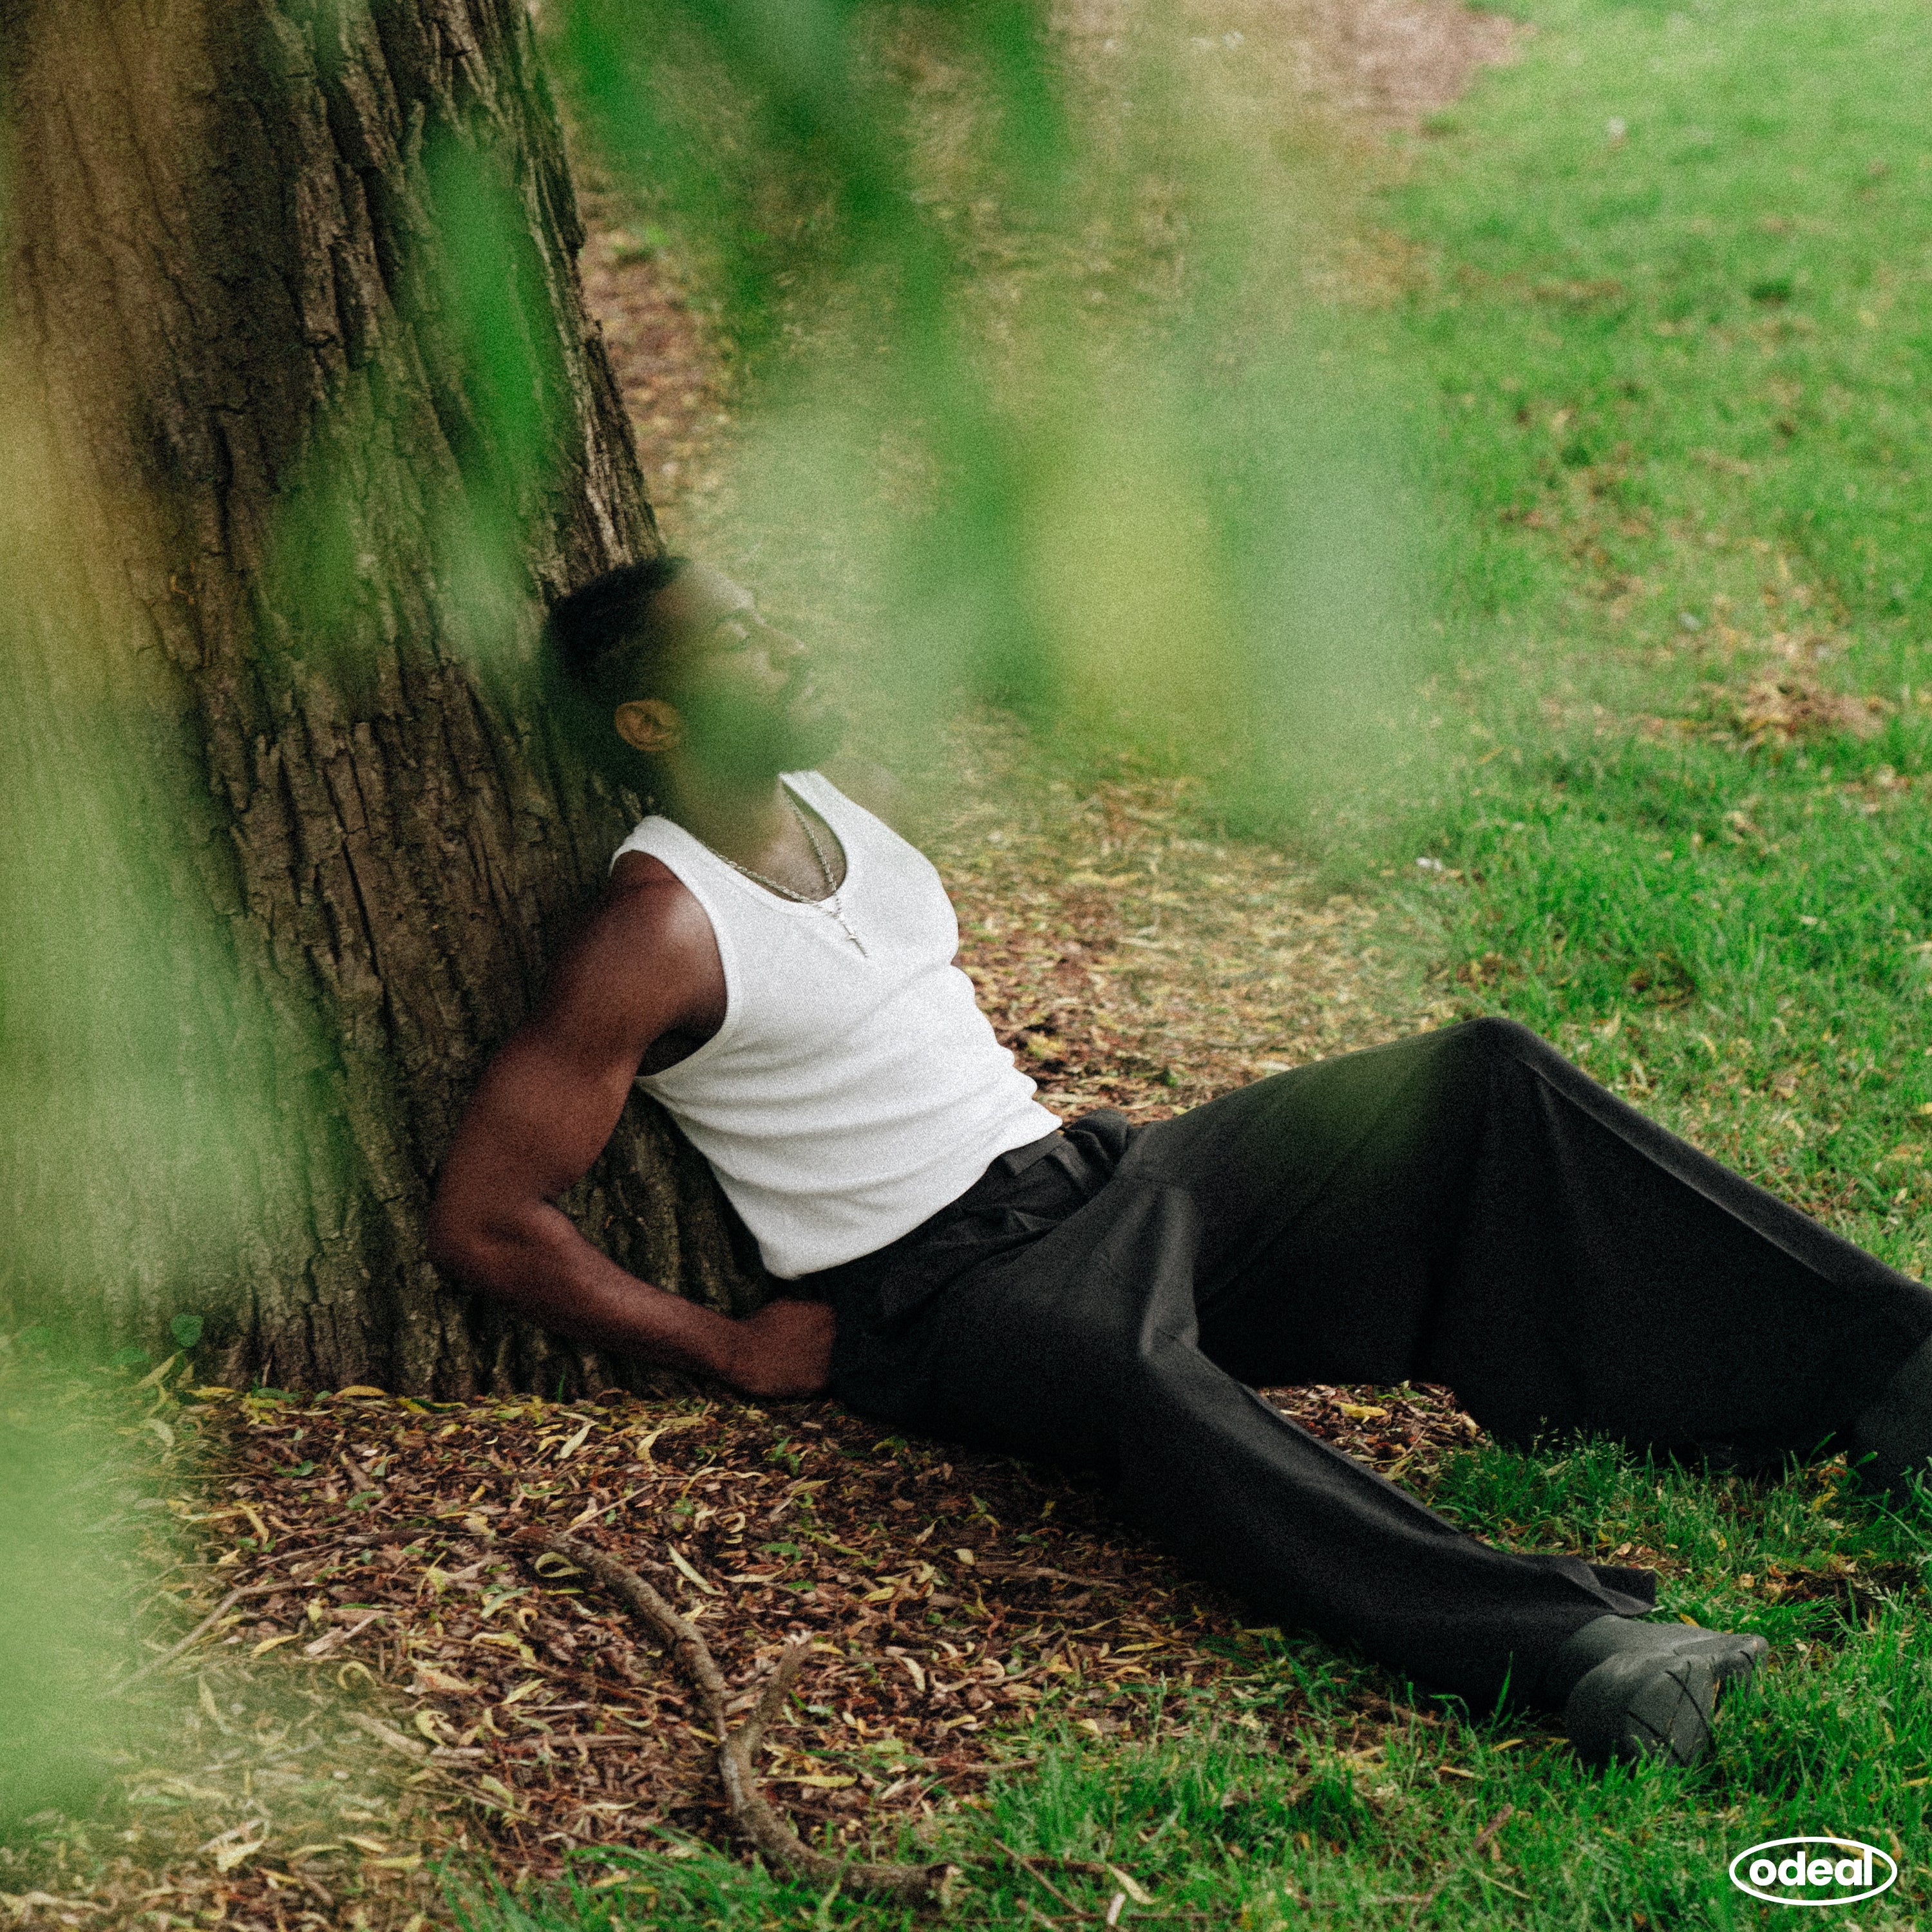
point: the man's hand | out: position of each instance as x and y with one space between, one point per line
785 1349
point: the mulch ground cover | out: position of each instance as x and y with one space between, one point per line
1132 959
358 1676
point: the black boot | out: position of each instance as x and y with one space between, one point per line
1630 1689
1891 1441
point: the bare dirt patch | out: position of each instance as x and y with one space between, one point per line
1382 64
1367 66
672 365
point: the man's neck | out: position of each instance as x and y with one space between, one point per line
738 819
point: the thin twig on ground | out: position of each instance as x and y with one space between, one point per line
753 1816
1399 1714
1039 1573
1490 1830
1083 1868
200 1630
1029 1866
1030 1862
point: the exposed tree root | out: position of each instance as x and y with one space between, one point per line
754 1819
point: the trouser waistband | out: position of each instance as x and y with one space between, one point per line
826 1283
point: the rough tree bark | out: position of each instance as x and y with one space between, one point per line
284 841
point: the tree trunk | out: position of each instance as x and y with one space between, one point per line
302 420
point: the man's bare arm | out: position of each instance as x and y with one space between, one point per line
645 970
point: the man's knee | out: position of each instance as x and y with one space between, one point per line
1491 1038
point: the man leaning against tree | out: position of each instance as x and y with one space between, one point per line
776 965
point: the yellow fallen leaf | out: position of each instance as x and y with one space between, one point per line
269 1643
376 1845
818 1781
363 1389
309 1852
441 1680
677 1557
966 1556
231 1847
1363 1411
576 1442
407 1862
523 1690
665 1429
1130 1885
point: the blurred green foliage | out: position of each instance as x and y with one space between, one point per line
1048 405
63 1613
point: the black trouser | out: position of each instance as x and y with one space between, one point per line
1464 1208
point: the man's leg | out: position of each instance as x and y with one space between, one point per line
1467 1207
1406 1212
1075 1341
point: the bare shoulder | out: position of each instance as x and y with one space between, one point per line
867 783
645 955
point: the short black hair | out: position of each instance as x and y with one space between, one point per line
601 633
600 648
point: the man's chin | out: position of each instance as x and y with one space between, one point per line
801 745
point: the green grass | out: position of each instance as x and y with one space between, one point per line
1681 449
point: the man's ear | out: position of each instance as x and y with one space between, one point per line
650 725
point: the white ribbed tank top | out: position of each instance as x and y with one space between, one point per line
847 1097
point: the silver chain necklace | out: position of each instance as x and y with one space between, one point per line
829 905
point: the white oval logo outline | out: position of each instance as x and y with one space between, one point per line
1841 1844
